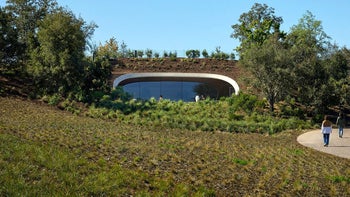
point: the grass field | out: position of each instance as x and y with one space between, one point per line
48 152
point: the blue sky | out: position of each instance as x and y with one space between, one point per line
197 24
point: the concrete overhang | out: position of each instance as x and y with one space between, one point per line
176 76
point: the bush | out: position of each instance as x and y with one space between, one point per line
242 113
245 102
192 53
54 99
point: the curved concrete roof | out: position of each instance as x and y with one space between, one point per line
174 75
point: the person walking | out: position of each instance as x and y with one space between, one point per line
326 130
196 98
340 124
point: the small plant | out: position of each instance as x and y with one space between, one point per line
339 179
156 55
205 53
149 53
54 99
192 53
240 161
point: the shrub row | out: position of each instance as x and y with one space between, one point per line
243 113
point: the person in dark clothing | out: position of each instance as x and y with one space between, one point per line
340 124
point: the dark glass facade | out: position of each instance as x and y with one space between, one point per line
173 90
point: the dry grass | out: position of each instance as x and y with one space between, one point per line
106 158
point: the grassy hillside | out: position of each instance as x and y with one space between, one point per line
47 152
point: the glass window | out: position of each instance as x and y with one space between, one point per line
149 90
188 90
133 89
173 90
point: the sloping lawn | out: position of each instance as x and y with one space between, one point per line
48 152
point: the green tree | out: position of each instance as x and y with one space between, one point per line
263 52
205 53
98 72
132 53
123 50
149 53
232 56
28 14
57 63
10 49
156 55
97 75
165 54
343 90
140 53
343 85
309 48
218 54
270 65
109 50
193 53
336 66
173 55
256 26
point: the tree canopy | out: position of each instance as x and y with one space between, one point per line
256 26
262 51
301 64
10 49
57 62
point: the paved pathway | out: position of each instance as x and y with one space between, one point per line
337 146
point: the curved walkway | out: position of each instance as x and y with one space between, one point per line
337 146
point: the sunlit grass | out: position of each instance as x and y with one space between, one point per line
46 152
31 168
